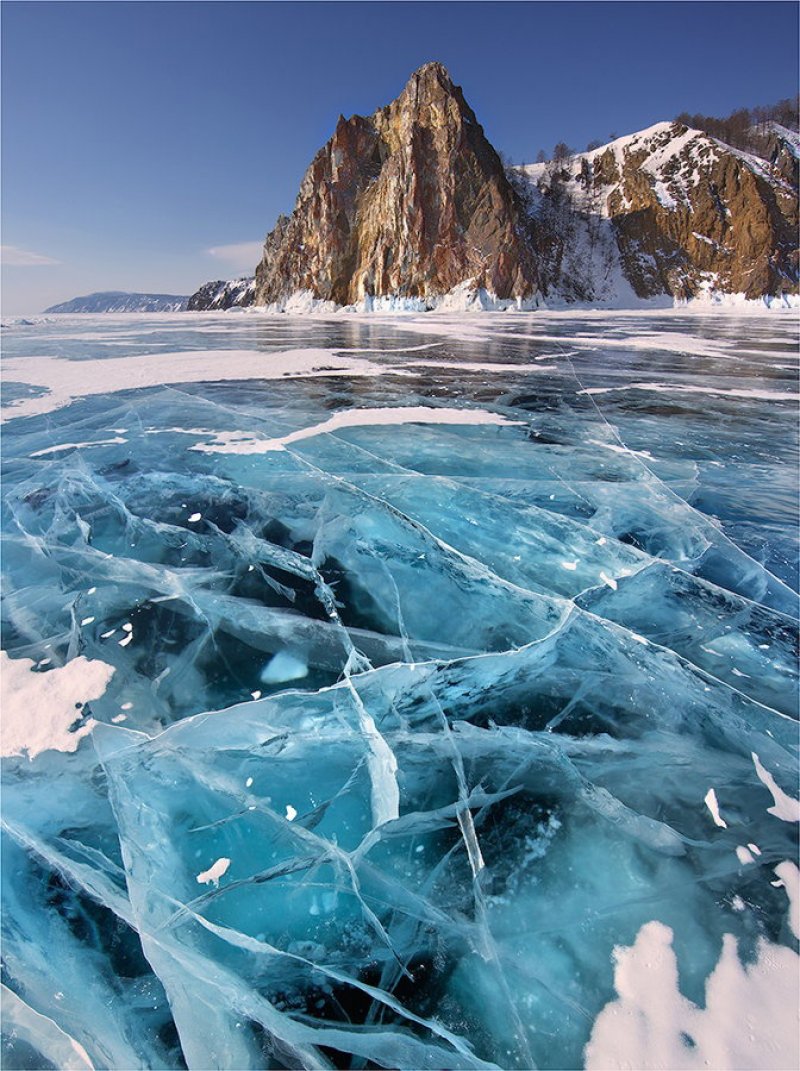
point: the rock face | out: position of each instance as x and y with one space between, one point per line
120 301
412 201
688 216
412 204
222 294
784 153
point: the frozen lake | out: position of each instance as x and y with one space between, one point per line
405 692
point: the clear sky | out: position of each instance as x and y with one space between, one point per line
150 146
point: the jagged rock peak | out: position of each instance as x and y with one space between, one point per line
410 202
427 78
430 97
433 70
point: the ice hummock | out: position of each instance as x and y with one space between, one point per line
439 741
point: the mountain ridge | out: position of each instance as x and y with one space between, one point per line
121 301
689 214
222 294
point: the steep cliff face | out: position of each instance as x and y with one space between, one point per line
783 152
688 215
412 201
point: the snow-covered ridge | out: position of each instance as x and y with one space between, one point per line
121 301
223 294
673 156
666 211
790 138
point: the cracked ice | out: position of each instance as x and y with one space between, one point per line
341 736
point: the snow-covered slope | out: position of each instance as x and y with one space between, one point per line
790 138
222 294
120 301
667 212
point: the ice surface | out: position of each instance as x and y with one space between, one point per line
440 712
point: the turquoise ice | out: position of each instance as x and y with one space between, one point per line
407 724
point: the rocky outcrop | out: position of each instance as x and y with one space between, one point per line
412 208
121 301
412 201
222 294
783 152
688 216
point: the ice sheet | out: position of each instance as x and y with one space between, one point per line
439 711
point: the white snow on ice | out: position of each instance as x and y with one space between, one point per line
785 808
229 442
38 708
749 1019
713 806
214 873
67 381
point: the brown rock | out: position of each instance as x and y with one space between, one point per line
689 214
411 201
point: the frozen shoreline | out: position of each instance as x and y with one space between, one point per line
398 310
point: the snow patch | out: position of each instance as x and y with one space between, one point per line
749 1014
785 808
39 708
711 802
77 446
66 381
789 877
214 873
227 442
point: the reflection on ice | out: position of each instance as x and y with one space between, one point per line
403 714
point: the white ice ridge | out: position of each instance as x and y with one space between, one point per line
38 708
66 380
749 1019
42 1033
381 762
232 442
785 808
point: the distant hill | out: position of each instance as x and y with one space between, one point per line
223 294
119 301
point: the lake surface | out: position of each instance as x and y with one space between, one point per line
406 692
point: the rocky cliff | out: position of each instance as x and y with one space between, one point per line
666 212
412 201
412 204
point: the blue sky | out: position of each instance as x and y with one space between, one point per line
139 137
